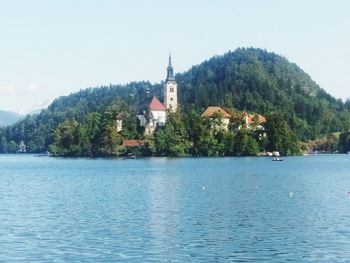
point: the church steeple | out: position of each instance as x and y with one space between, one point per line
170 70
170 89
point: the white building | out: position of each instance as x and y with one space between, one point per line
215 111
120 118
152 112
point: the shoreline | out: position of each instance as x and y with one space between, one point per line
160 157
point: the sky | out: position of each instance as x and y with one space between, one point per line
53 48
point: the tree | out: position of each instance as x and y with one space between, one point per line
210 138
12 147
280 137
67 138
110 139
172 139
89 134
243 144
344 142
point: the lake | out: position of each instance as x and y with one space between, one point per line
175 210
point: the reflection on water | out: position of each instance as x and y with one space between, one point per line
177 210
163 213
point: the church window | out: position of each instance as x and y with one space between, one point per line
171 89
171 99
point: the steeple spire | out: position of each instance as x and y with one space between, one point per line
170 65
170 69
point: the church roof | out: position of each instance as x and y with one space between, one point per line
156 104
210 111
152 103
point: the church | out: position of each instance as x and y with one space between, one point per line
153 113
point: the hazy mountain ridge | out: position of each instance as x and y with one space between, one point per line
9 117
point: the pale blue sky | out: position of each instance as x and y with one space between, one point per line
53 48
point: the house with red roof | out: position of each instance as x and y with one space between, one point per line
215 111
254 121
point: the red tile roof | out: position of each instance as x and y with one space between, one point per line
135 143
210 111
250 119
156 104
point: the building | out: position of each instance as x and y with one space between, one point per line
152 113
255 121
22 147
214 111
170 89
120 118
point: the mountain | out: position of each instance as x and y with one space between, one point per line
8 117
246 79
260 81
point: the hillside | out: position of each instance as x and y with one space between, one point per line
246 79
8 117
260 81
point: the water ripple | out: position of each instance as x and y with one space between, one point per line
174 210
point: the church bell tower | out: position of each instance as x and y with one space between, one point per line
170 89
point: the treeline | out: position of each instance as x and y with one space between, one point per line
184 135
37 131
344 142
251 80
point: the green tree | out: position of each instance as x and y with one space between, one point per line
12 147
344 142
172 139
67 138
280 137
110 139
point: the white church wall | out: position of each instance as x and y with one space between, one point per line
159 117
170 95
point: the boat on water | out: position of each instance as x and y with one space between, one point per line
277 159
46 154
131 156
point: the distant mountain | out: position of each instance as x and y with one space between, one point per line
8 117
37 108
246 79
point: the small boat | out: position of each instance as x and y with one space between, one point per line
131 156
277 159
46 154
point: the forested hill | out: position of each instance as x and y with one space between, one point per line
246 79
260 81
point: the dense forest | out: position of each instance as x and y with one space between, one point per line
247 79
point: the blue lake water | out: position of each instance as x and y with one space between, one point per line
175 210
